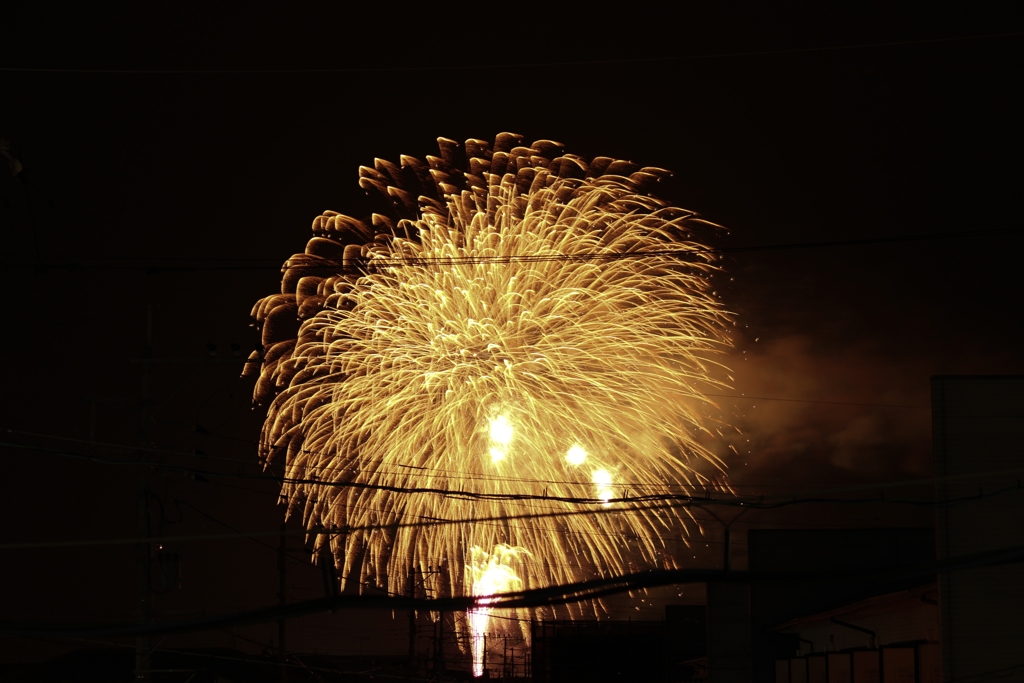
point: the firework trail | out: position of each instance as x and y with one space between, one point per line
496 330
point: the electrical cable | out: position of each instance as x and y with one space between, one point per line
816 402
246 660
701 486
537 597
534 258
660 505
758 503
520 65
267 545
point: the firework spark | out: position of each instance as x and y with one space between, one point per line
503 333
488 574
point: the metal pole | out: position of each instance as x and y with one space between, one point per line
143 550
727 536
444 590
727 560
439 652
282 599
142 579
412 617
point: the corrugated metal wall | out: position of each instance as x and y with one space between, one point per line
978 427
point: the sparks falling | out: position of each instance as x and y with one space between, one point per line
514 327
488 574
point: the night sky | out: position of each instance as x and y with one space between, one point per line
172 161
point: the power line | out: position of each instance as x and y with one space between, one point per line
314 479
537 597
518 65
374 673
134 449
704 498
464 477
816 402
469 495
253 538
702 488
666 504
156 268
319 469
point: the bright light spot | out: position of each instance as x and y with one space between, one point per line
576 455
603 479
501 430
497 454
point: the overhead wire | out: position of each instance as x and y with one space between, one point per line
704 489
536 597
703 497
599 510
248 660
498 66
154 267
253 538
701 485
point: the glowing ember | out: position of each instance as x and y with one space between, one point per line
501 437
501 430
603 480
576 455
515 327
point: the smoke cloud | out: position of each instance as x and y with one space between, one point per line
820 416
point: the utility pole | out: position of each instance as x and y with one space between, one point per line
143 550
144 608
411 590
282 599
443 590
439 645
727 537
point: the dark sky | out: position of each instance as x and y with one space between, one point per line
809 127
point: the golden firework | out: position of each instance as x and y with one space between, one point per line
513 328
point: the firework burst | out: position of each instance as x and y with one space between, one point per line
502 339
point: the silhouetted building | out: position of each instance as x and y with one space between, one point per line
728 631
858 556
866 618
978 436
893 638
669 651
